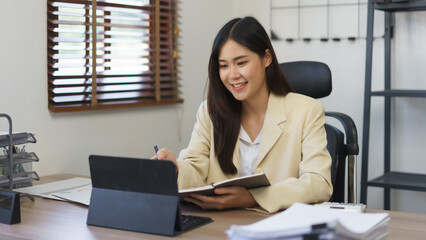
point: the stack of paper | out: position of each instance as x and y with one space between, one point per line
303 221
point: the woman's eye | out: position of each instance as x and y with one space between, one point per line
223 66
241 63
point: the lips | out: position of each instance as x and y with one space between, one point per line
239 86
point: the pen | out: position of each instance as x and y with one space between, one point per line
156 150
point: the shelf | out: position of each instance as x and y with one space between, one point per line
400 93
15 164
389 180
401 6
18 138
400 180
18 178
19 158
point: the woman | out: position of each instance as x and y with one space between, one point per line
251 123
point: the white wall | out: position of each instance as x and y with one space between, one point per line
65 140
201 20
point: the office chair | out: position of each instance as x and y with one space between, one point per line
314 79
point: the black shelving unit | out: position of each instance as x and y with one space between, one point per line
390 179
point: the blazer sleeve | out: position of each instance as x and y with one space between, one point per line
314 181
193 162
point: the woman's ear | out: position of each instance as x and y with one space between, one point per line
267 60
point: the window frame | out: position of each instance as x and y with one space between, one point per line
158 84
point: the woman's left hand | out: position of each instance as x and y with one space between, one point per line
226 197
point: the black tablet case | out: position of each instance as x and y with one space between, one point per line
134 194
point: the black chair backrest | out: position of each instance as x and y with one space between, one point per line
314 79
308 78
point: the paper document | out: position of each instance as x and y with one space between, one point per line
302 220
48 190
78 195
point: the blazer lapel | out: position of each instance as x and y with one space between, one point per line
236 155
271 131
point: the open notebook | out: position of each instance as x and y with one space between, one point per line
251 181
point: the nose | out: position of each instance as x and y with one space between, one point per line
234 72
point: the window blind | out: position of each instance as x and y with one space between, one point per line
111 54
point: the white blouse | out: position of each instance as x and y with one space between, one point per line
248 152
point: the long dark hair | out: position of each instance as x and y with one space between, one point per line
224 109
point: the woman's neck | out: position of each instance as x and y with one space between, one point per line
255 107
253 115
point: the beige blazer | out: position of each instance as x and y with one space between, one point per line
292 153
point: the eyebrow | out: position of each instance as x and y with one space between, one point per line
235 58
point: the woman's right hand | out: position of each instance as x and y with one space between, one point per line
165 154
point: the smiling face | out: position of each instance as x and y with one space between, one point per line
242 71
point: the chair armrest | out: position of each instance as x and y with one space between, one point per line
350 131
